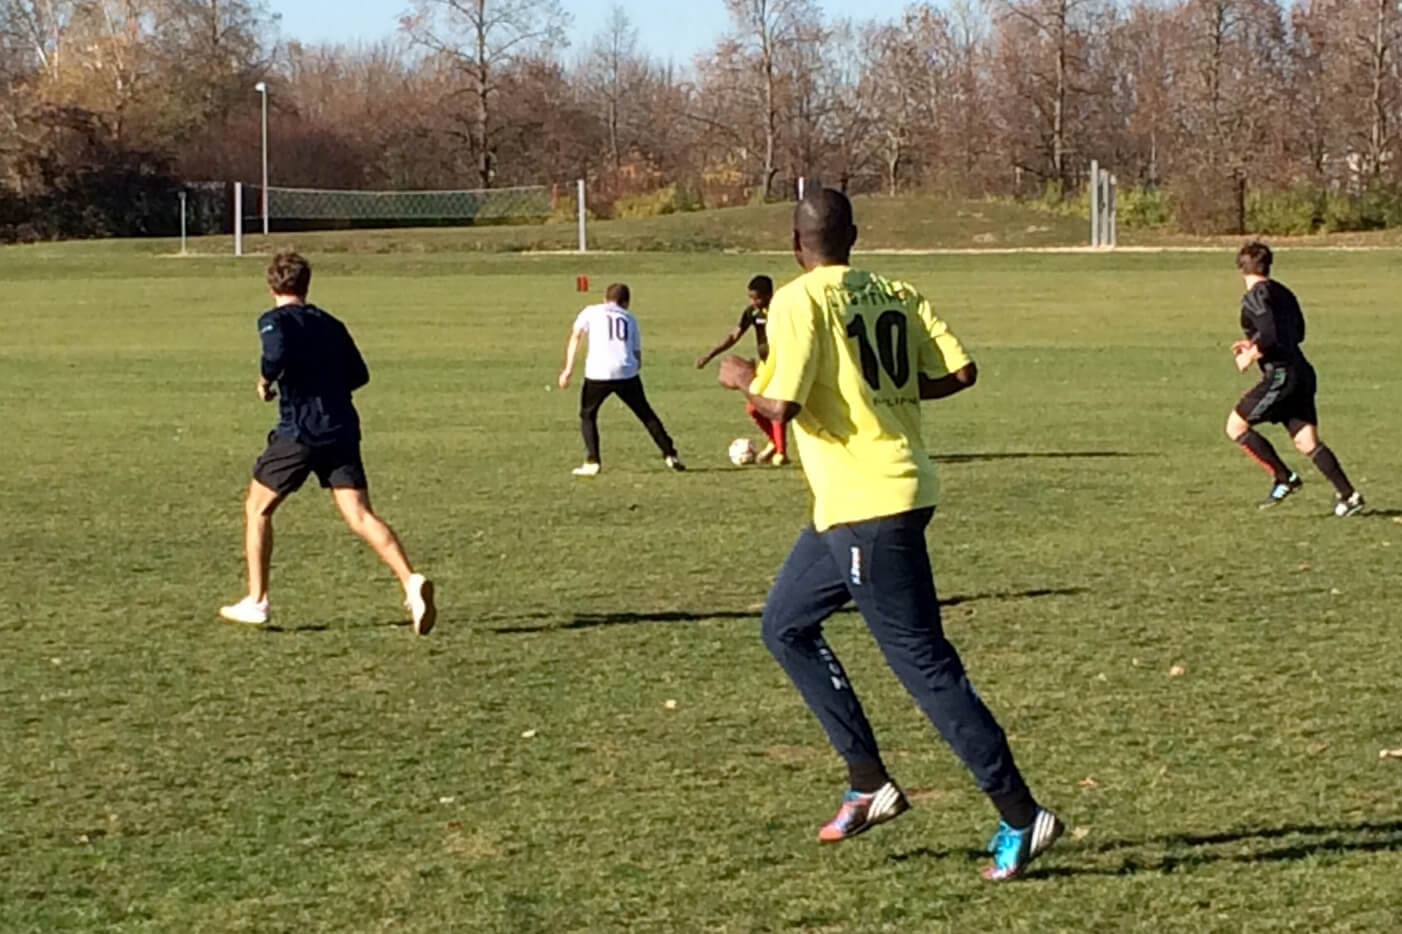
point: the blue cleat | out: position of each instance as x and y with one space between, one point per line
1282 490
1014 849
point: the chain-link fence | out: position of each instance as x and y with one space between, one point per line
472 206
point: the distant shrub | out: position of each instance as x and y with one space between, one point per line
669 200
1143 207
1291 211
1374 208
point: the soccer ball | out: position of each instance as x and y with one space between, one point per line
742 452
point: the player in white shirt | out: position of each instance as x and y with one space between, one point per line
614 360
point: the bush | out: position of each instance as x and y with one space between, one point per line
1292 211
668 200
1143 207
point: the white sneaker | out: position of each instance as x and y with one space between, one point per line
418 601
249 611
674 463
589 469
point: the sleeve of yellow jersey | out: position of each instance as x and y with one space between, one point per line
942 354
787 375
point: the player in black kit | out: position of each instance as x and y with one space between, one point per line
756 315
1274 329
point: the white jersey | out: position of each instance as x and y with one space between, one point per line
614 342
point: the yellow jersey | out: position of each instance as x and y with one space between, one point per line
849 347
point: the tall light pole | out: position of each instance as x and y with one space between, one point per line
262 88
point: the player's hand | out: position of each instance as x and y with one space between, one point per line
736 373
1239 346
564 380
1245 358
266 392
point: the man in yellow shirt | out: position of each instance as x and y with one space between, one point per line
851 355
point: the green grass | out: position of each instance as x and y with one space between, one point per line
521 770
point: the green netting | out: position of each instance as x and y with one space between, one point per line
482 204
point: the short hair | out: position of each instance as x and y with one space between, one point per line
289 274
618 294
1254 259
824 222
762 285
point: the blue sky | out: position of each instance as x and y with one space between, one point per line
669 29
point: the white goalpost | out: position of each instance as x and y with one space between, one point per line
1102 207
307 208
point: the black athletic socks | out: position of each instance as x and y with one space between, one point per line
867 776
1261 451
1328 465
1018 809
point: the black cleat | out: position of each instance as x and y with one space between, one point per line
1282 490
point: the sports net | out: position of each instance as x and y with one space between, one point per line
469 206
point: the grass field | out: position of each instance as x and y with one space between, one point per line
1200 689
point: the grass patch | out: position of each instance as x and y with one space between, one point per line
165 772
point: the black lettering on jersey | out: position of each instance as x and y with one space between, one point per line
892 343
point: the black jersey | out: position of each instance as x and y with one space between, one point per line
757 318
1271 318
315 363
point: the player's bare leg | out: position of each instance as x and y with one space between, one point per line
258 508
1306 437
355 508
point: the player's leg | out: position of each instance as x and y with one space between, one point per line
779 437
342 472
889 576
766 427
278 472
809 589
633 396
1255 407
591 395
1305 434
258 508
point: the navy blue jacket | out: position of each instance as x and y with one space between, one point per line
316 365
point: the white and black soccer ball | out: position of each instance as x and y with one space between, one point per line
742 452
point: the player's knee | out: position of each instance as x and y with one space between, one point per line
258 506
1236 429
775 629
1307 446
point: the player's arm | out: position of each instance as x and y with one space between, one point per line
943 387
945 366
779 386
270 365
1261 324
357 373
739 374
571 352
730 340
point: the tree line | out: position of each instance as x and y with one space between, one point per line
1216 115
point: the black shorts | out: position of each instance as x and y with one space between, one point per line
1284 394
285 465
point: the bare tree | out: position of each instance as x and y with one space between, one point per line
1047 37
484 39
762 29
611 72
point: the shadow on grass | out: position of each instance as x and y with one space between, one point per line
1371 513
292 630
971 458
1197 849
552 623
